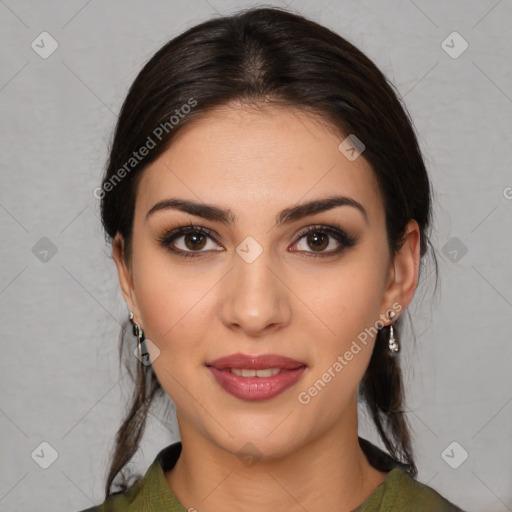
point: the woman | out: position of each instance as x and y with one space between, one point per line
268 207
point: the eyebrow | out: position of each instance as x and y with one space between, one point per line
286 216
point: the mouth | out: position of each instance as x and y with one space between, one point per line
256 377
245 362
247 372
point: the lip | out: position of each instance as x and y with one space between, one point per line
256 388
256 362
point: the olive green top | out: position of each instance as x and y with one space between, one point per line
398 492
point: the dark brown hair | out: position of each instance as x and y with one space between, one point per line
275 57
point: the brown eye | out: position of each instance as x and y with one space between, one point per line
314 240
318 241
197 242
189 241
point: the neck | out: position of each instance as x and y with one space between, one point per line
328 473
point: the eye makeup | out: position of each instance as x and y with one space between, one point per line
333 231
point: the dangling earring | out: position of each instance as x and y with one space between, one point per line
139 333
392 342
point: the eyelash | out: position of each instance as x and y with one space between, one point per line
334 231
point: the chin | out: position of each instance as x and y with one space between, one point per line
265 442
251 450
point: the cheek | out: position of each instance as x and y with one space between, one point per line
167 295
178 324
347 300
176 315
341 356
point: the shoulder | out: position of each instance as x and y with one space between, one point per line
120 501
401 492
148 493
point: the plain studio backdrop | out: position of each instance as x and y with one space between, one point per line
66 68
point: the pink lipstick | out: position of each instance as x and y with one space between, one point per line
256 377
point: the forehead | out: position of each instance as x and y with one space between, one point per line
240 156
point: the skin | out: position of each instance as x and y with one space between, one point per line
287 301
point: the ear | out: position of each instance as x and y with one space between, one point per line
125 275
403 275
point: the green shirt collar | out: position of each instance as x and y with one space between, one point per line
152 493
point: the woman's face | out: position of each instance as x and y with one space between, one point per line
253 283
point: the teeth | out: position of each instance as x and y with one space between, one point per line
267 372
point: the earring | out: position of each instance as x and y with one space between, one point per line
392 342
139 333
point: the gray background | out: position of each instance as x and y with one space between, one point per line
60 313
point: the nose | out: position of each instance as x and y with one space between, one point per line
255 299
